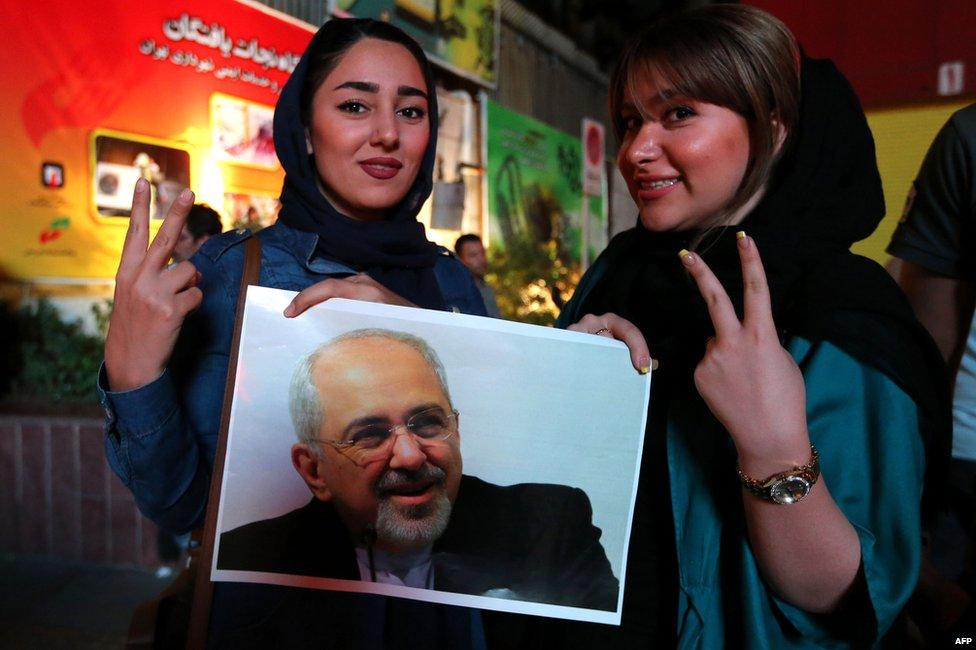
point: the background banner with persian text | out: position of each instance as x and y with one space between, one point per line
99 95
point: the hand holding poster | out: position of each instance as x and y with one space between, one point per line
431 456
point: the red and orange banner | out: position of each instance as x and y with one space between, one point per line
97 95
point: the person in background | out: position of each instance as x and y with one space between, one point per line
471 252
936 243
202 223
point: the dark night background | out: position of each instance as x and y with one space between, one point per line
601 27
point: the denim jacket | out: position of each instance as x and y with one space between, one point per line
161 438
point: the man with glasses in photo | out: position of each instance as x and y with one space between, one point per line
379 448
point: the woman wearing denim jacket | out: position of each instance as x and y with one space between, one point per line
355 131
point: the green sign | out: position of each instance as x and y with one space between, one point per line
535 188
535 208
459 34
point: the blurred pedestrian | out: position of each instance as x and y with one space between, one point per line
202 223
471 252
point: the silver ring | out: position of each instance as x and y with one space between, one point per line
602 330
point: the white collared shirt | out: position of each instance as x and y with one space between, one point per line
413 569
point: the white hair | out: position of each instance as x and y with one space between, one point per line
304 401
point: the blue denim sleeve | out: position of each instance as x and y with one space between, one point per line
160 439
147 445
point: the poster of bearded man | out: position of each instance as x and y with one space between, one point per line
430 456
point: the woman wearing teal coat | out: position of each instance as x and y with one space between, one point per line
797 400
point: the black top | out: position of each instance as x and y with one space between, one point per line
536 542
938 229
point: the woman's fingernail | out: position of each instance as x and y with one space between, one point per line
741 234
290 310
643 365
687 257
743 241
141 185
186 195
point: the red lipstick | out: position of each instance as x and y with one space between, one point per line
381 168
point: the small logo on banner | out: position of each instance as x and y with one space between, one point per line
52 175
54 230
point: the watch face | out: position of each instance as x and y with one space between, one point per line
789 490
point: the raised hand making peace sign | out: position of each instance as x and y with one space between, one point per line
749 381
152 298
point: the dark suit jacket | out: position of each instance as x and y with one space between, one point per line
535 541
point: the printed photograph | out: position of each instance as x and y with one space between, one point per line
431 456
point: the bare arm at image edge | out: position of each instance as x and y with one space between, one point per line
944 305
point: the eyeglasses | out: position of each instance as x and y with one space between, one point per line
369 443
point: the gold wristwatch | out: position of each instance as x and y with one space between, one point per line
786 487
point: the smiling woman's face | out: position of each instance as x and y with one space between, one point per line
683 159
369 128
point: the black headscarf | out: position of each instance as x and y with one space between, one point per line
825 196
394 251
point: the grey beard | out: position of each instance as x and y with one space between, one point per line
415 526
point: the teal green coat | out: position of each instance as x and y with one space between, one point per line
872 460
